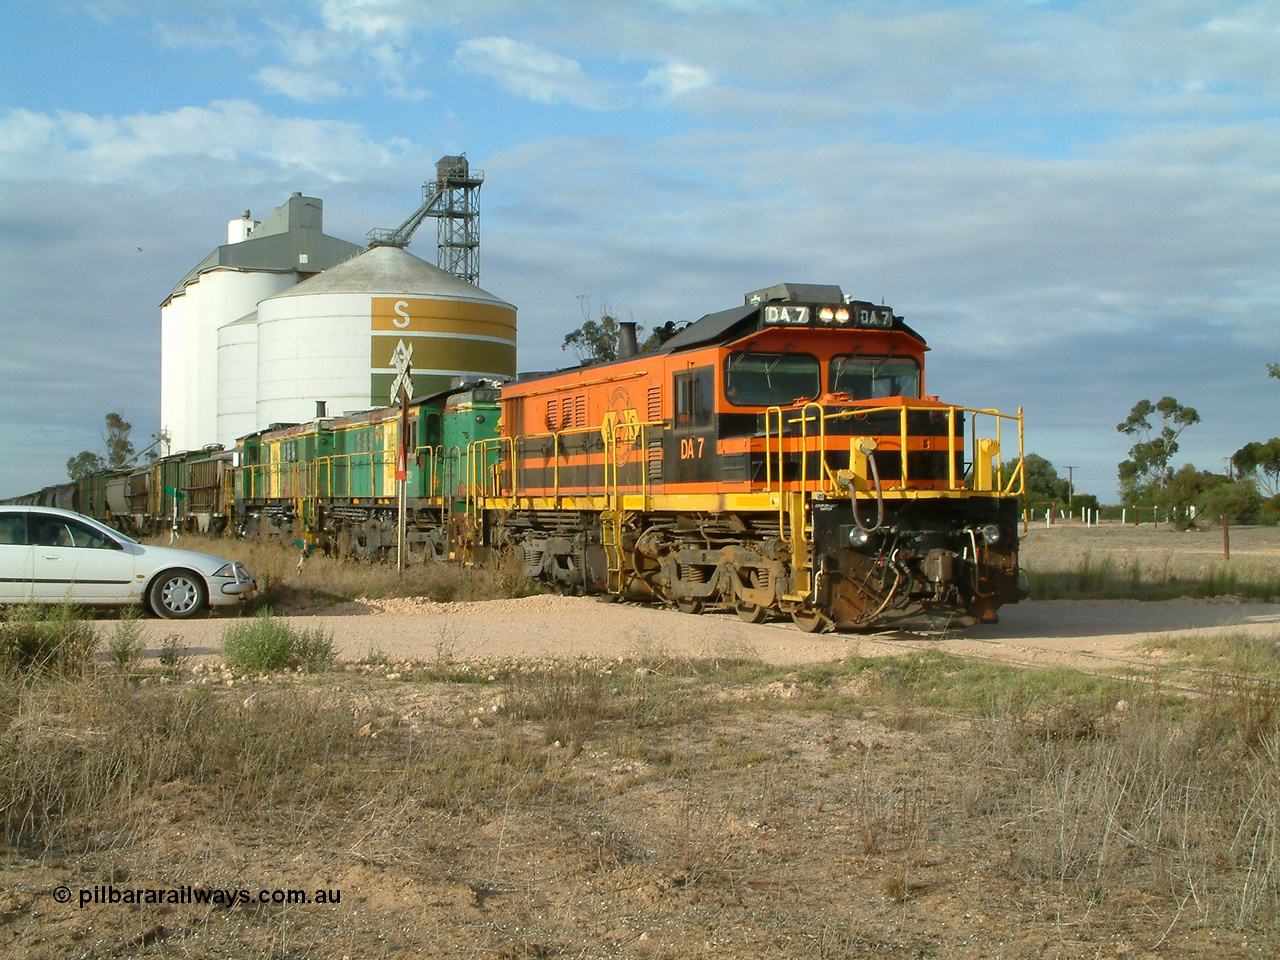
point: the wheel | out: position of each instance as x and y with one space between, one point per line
689 605
177 595
810 621
751 612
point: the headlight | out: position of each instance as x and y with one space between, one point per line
233 570
858 537
990 533
826 314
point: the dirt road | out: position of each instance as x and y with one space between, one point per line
1088 634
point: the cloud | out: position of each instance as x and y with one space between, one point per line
207 35
677 79
373 20
167 149
301 85
529 71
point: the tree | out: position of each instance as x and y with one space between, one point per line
119 450
1183 490
1237 499
84 463
119 447
1260 458
1043 484
596 341
1147 470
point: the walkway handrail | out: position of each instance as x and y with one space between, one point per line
777 420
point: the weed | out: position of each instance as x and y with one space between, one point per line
266 643
173 654
1100 571
325 580
38 640
125 643
1236 652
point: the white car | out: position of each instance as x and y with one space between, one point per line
49 555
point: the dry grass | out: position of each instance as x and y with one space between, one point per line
715 801
1111 561
1084 792
287 579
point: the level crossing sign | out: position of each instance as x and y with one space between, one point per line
401 360
402 393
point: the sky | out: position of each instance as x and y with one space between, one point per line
1076 203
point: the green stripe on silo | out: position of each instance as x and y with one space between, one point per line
448 353
424 384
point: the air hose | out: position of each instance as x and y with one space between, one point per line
853 498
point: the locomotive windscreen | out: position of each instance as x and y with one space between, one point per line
868 378
767 379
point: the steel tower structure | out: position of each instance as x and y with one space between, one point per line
453 198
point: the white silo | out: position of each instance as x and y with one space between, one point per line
331 338
261 259
173 373
237 379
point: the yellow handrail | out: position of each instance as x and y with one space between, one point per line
1014 485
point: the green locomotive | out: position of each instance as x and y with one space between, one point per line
332 483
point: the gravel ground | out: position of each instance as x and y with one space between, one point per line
1083 633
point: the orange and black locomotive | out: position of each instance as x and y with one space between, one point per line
780 457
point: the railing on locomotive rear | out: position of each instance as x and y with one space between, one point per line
774 445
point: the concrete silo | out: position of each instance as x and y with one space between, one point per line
237 379
258 260
331 338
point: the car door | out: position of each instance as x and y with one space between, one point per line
15 557
78 562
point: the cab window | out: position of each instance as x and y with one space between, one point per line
869 378
770 379
695 397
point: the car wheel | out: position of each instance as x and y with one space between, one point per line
177 594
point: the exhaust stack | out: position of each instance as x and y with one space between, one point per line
627 346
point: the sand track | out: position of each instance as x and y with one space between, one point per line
1081 633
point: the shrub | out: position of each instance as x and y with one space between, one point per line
39 640
173 653
125 644
266 643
